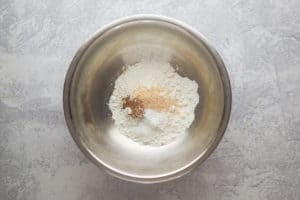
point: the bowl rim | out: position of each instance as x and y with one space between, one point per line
201 157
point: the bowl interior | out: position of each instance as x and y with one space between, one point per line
93 82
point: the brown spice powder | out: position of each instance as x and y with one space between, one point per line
136 106
156 98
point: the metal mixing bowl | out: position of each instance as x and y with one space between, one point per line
90 82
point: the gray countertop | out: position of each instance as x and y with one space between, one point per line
259 157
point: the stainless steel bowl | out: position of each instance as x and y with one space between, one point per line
90 82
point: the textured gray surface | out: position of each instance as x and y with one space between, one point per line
259 157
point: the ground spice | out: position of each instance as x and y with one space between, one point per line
136 106
156 98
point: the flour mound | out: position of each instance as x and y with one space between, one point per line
157 127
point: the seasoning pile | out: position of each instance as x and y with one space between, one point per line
151 104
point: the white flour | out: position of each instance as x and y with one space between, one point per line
156 127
